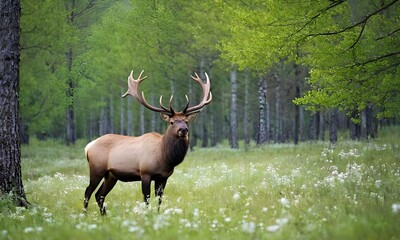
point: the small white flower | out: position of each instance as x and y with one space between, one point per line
236 196
264 209
92 226
273 228
28 229
396 207
285 202
378 183
282 221
249 227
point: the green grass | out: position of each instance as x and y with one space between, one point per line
309 191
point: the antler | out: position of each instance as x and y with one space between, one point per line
207 96
133 90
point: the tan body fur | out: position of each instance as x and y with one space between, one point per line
125 163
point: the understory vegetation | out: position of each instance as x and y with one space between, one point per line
280 191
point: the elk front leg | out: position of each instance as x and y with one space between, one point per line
159 190
146 180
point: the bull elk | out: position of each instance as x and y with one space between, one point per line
146 158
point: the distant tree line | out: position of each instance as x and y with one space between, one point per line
280 72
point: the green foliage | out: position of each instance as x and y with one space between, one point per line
292 192
351 48
44 37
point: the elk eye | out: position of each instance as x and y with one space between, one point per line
171 123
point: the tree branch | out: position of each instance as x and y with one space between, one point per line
375 59
389 34
363 21
358 38
87 8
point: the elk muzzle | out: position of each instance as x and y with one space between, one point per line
183 131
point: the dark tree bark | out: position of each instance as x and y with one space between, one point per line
333 120
321 131
278 115
10 152
314 129
70 85
370 122
355 128
246 111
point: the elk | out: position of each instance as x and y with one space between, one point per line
145 158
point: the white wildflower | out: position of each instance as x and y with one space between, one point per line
28 229
285 202
264 209
378 183
273 228
173 211
236 196
282 221
396 208
196 213
249 227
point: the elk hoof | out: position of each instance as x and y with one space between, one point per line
103 211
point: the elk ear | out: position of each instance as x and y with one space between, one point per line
191 117
165 117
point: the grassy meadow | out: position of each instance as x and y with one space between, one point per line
309 191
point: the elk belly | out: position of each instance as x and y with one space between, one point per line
125 176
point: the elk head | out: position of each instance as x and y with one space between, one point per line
177 120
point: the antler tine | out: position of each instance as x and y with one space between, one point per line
187 104
170 104
207 96
132 84
133 90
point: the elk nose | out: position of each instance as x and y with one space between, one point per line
183 131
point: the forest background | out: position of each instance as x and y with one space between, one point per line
280 71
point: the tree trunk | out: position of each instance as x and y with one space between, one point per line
354 127
129 118
370 122
363 124
70 102
10 151
278 116
233 114
321 132
246 121
314 129
333 120
110 116
262 134
121 115
142 120
213 128
204 115
70 87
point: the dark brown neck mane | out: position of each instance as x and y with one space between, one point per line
174 148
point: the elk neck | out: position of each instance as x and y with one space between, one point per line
174 148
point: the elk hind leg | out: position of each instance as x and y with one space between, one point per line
108 184
93 183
